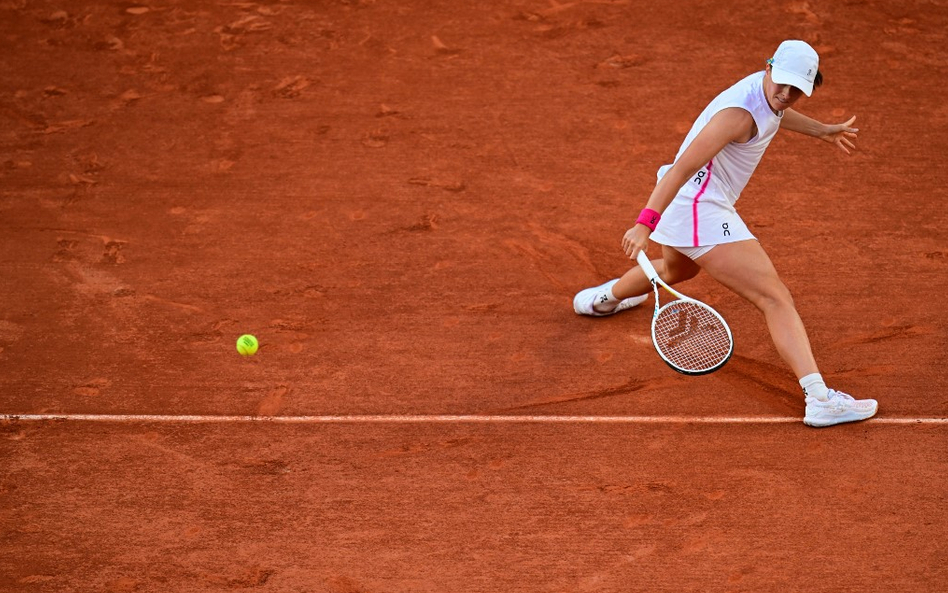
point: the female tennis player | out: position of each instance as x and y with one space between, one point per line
691 214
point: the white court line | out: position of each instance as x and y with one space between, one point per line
434 419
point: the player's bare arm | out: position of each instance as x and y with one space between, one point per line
842 135
728 125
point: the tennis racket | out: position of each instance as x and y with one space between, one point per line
689 335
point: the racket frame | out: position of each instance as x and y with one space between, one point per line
654 278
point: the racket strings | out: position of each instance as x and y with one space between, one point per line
691 336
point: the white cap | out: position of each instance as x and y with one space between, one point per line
796 64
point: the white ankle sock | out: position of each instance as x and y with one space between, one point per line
813 386
606 301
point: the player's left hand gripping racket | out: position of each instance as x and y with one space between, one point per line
689 335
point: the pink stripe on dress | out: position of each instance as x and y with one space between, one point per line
694 206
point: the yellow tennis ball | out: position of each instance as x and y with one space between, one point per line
247 345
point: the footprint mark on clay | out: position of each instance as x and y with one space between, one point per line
113 252
428 222
232 35
89 163
539 260
65 252
91 388
291 87
273 402
314 291
375 139
803 9
443 49
695 544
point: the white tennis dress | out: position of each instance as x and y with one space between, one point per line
703 211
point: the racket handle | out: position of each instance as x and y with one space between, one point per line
646 266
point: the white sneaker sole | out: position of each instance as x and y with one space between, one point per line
824 420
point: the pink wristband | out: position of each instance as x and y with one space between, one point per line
649 218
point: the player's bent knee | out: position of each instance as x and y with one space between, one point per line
777 298
676 274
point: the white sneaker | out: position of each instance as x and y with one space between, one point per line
839 408
584 301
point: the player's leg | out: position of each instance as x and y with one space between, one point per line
674 267
633 287
746 269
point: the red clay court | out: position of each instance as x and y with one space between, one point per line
399 199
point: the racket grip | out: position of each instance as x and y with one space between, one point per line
646 266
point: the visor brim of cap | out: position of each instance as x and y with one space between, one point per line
783 77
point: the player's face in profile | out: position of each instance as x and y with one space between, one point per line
780 96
